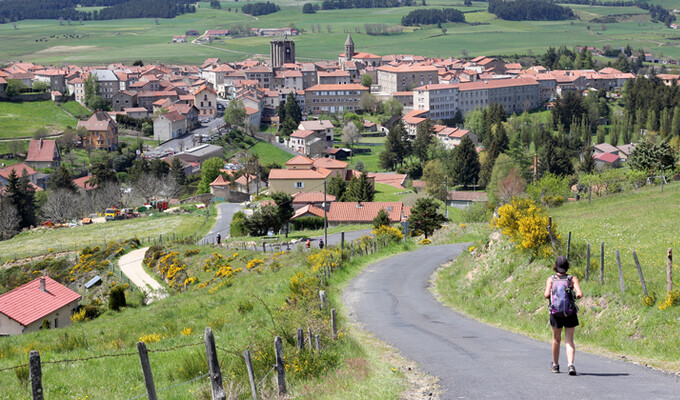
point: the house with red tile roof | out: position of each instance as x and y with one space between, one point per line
102 132
223 188
607 160
43 154
301 199
340 213
461 199
84 185
19 170
24 309
205 99
309 143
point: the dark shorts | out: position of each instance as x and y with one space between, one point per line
564 322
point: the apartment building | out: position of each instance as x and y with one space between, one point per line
334 98
108 83
405 77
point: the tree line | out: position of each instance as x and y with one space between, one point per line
432 16
529 10
16 10
343 4
260 8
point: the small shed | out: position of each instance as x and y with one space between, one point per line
97 280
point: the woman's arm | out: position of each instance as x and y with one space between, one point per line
548 286
577 287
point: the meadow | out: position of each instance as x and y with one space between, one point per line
612 322
40 241
100 42
23 119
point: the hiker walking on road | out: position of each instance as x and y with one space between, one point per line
308 244
219 239
321 243
562 290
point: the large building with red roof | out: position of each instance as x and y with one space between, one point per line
24 309
43 154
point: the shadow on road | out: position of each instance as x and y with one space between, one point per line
602 374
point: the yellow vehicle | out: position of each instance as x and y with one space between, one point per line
113 214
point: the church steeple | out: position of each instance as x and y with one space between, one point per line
349 48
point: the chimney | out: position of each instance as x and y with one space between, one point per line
41 143
359 205
42 284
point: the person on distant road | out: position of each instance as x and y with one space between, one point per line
567 320
308 244
219 239
321 243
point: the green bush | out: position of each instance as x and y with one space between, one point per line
307 223
477 212
245 306
237 227
117 298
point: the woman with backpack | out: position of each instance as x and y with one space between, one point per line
562 290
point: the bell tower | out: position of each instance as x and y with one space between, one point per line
349 48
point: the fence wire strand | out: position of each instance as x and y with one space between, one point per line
265 377
173 386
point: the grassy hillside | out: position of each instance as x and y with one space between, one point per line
97 42
39 241
22 119
500 285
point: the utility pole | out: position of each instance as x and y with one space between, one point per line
446 195
325 216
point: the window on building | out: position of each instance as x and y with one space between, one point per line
299 185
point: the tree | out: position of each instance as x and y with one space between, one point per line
22 196
510 186
101 172
210 170
14 87
393 107
117 298
601 134
308 8
566 107
350 134
262 220
292 109
434 176
284 207
177 172
147 129
465 163
425 217
423 140
40 87
62 205
337 187
15 147
67 141
288 126
396 147
40 133
359 166
474 121
382 219
652 158
9 218
502 167
61 179
235 114
366 80
555 159
587 166
138 63
360 189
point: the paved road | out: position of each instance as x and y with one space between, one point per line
474 360
131 265
225 212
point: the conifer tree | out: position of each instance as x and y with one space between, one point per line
425 217
465 163
360 189
61 179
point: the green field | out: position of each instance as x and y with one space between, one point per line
268 153
384 192
39 241
22 119
511 283
76 109
97 42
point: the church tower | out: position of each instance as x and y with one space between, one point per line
282 52
349 48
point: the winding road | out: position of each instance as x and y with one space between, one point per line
225 212
476 361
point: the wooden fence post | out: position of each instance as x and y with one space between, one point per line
588 263
36 375
310 336
317 342
146 369
218 392
639 270
280 366
251 376
550 233
322 297
601 263
618 263
300 339
669 270
334 324
568 244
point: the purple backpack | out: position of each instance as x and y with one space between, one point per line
562 297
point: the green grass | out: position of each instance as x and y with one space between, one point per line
370 160
22 119
77 109
97 42
511 284
268 153
384 192
39 241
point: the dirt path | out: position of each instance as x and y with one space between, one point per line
131 265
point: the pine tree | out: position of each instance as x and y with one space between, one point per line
177 172
554 159
425 217
61 179
22 196
665 121
337 187
601 134
520 157
360 189
101 173
434 176
675 125
423 140
293 109
382 219
587 166
465 163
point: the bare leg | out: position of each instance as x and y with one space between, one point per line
557 337
571 349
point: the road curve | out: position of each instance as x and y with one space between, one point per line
474 360
131 265
225 212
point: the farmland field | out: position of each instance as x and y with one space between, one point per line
45 41
22 119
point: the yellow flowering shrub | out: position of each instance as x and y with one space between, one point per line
186 331
385 232
671 300
255 264
425 241
324 257
150 338
526 224
79 316
303 285
222 270
649 300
